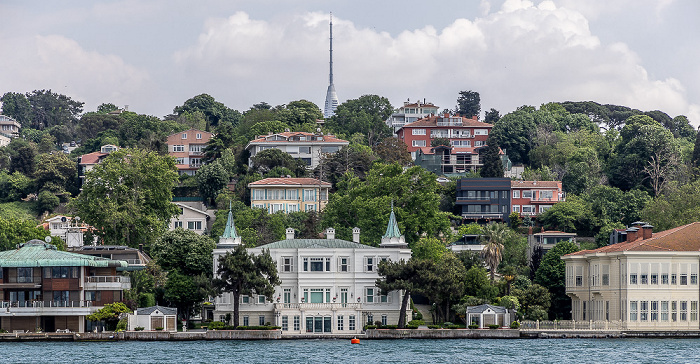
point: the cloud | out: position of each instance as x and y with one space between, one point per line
61 64
524 53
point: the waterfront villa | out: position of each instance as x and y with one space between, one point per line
46 289
648 282
328 285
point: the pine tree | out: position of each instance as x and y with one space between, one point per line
493 167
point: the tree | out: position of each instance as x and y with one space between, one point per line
551 274
429 248
15 231
51 109
513 132
365 115
268 159
184 250
186 292
437 142
572 215
241 273
468 104
475 280
91 124
55 172
494 237
393 150
397 276
354 160
441 282
492 116
109 313
214 111
22 156
127 197
696 152
493 166
297 113
47 201
367 204
211 178
17 106
675 207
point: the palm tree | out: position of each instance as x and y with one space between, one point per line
494 235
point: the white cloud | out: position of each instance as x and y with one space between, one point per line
61 64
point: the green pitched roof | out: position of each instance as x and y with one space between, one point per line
36 253
315 243
392 229
230 231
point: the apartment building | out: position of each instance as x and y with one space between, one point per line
308 147
187 147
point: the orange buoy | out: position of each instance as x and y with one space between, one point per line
354 341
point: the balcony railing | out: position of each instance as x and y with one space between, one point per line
474 198
135 261
108 279
44 304
313 306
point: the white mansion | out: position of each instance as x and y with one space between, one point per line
328 285
648 282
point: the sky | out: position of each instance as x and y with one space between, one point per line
153 55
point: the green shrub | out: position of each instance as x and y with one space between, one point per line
416 322
390 327
515 325
159 329
473 326
370 327
254 327
433 326
447 323
121 325
138 328
494 326
216 325
452 327
417 315
411 327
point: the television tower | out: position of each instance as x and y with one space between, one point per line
331 97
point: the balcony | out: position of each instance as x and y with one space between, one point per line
317 306
483 215
38 308
474 198
107 282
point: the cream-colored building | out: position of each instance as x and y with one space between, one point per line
328 285
194 216
309 147
289 194
649 282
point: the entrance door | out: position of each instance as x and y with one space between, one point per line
49 323
318 324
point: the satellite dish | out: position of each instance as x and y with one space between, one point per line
47 239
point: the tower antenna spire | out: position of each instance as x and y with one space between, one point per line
331 96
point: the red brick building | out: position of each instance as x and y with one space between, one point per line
531 198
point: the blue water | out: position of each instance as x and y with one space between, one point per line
377 351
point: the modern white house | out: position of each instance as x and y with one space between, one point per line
308 147
410 112
648 282
328 285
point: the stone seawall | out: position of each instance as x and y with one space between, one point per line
443 334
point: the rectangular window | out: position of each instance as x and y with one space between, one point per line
317 264
194 225
481 132
369 264
184 135
654 278
343 264
418 143
261 320
309 195
633 310
516 208
644 278
93 296
664 310
664 278
199 135
633 278
527 194
304 150
516 193
341 320
606 274
179 160
261 299
674 279
246 321
178 148
579 276
654 310
545 195
674 310
643 310
351 322
287 295
25 275
418 131
306 264
684 279
384 320
285 323
369 297
693 279
60 272
287 265
297 321
684 311
245 299
693 310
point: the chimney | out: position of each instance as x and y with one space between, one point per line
290 233
356 235
330 233
631 234
141 248
647 231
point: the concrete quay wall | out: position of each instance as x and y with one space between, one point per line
443 334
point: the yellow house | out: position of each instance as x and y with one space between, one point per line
289 194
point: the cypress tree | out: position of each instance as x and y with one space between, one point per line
493 166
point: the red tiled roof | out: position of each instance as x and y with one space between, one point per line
326 138
92 158
432 121
535 184
290 182
684 238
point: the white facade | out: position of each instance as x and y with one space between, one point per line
410 112
308 147
328 285
152 318
193 216
648 283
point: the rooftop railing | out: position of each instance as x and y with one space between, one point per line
108 279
